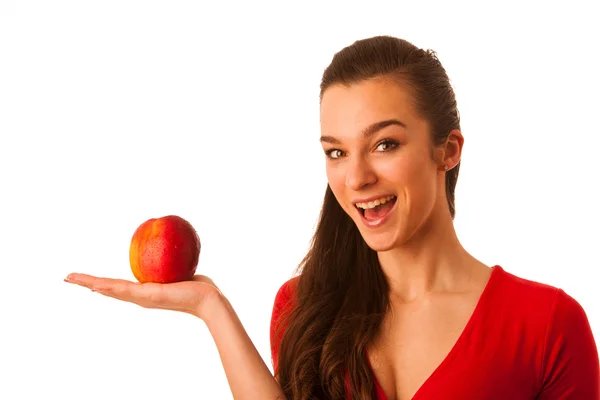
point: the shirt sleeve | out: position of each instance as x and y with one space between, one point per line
281 305
570 366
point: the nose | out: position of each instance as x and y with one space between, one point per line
359 174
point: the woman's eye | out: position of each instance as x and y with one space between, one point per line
387 145
333 153
383 146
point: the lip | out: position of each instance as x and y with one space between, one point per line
380 221
373 198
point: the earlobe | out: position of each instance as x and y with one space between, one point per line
441 159
452 149
444 168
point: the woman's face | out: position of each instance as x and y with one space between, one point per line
379 161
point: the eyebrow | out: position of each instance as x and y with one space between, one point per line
370 130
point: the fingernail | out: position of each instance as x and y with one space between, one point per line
67 280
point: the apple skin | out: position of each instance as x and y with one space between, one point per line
164 250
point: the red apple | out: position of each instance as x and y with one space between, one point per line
164 250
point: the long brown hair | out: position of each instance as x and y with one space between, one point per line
342 293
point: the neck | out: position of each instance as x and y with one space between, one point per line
432 260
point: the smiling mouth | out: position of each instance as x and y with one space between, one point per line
376 209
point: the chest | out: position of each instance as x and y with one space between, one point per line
414 341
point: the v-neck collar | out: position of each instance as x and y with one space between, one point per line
455 350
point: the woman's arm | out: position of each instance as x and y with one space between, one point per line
571 368
248 376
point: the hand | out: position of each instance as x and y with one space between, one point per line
190 296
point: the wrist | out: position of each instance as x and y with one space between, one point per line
213 306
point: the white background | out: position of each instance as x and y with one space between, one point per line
114 112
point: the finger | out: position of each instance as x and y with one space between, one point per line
203 278
147 295
93 282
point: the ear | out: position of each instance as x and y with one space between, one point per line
450 152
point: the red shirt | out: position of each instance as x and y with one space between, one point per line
524 340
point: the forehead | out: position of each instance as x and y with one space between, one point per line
348 109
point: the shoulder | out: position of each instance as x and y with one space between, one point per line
284 296
286 290
281 306
524 300
556 322
537 301
519 287
570 356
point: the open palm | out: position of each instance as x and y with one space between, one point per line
186 296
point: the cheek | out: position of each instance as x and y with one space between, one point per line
419 182
335 178
411 178
337 182
398 171
405 169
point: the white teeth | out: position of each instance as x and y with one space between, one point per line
375 203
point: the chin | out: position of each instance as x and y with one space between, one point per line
380 243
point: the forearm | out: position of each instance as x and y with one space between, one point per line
248 376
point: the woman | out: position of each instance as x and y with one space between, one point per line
388 304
